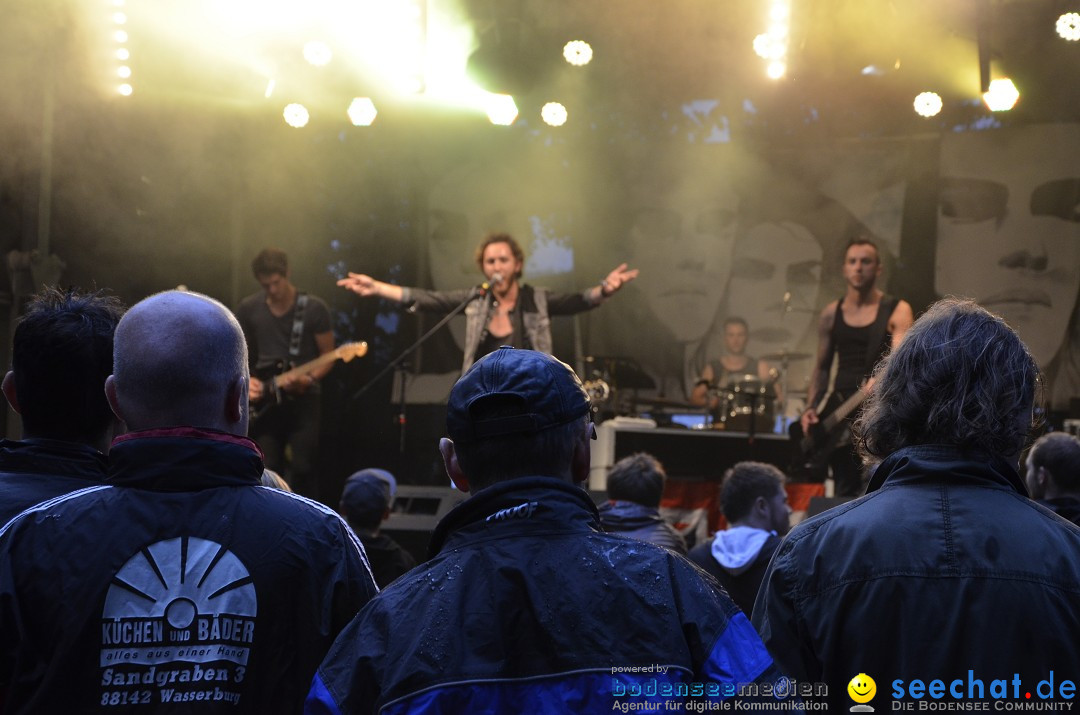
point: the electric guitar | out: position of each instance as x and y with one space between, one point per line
811 458
274 376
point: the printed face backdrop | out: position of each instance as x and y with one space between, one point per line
719 230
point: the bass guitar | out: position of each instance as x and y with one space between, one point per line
274 377
811 451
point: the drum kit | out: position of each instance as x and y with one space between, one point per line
748 403
744 402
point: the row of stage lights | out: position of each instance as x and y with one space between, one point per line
501 109
771 45
1002 94
120 50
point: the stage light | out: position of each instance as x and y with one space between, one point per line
501 109
123 72
123 54
577 52
1002 95
362 112
768 46
125 89
763 46
120 36
296 115
317 53
119 18
772 45
928 104
270 88
554 114
1068 26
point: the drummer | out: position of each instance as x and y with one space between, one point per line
732 366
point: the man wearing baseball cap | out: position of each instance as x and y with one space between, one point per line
525 605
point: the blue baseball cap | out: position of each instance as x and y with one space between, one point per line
513 391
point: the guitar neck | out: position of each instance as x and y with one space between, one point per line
311 366
846 408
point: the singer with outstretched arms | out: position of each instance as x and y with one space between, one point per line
505 311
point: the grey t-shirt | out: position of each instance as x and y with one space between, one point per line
268 336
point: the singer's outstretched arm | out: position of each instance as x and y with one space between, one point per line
365 285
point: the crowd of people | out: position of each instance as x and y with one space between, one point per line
151 560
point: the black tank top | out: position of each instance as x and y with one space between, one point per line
854 357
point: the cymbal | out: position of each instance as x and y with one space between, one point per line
784 355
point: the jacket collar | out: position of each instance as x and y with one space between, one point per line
184 459
541 501
51 456
943 462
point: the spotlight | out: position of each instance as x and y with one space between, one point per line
776 69
123 72
501 109
296 115
123 54
1002 95
120 36
119 18
928 104
554 114
577 52
764 46
125 89
317 53
362 112
1068 26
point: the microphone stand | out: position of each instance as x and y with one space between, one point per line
394 364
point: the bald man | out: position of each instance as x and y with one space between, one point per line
181 583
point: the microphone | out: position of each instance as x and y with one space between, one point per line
484 287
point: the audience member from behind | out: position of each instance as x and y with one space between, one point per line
755 505
944 570
634 487
1053 474
525 604
365 504
181 583
61 354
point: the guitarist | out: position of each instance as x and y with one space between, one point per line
283 327
857 330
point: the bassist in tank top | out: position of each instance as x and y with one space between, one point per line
857 330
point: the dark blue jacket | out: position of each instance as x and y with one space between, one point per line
527 607
182 585
34 470
944 567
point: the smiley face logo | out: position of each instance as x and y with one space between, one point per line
862 688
